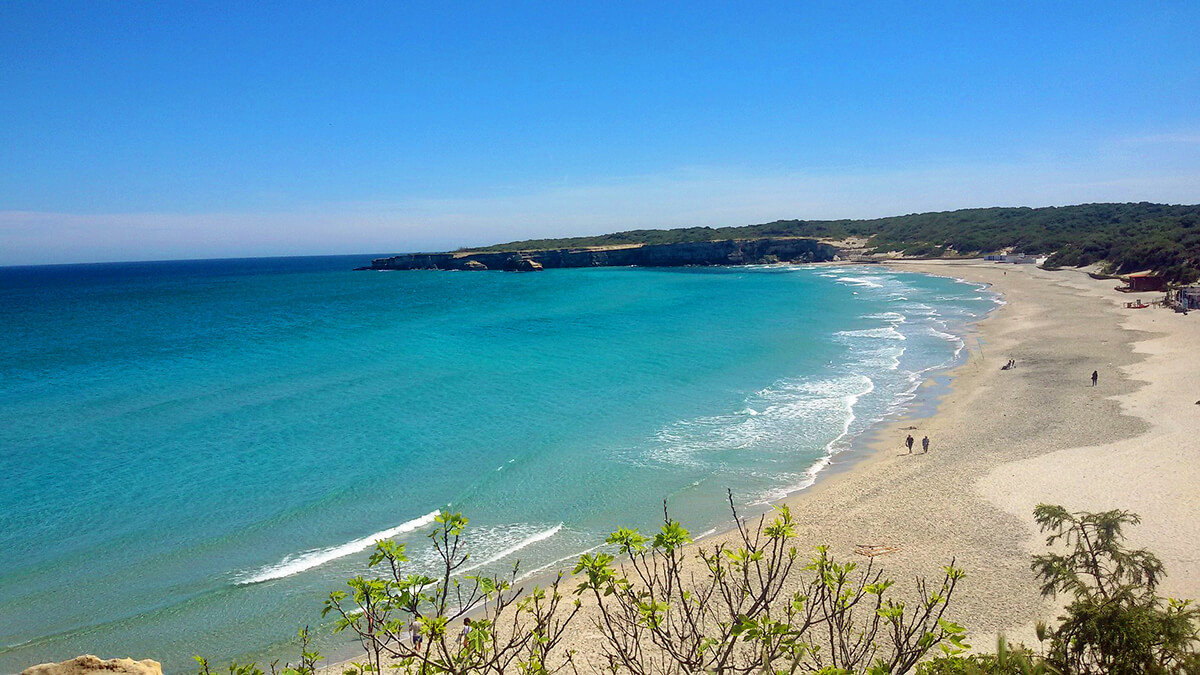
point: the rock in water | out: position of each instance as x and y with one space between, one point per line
82 665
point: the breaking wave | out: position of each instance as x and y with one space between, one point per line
301 562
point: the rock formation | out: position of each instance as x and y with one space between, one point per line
85 665
725 252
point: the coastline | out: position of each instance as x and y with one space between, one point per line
1003 441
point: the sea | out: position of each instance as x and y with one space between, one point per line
194 454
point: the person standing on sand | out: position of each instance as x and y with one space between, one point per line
924 445
417 638
1095 376
908 442
466 631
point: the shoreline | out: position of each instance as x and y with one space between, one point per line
1003 441
927 397
997 437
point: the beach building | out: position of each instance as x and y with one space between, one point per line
1140 282
1189 297
1014 258
1020 259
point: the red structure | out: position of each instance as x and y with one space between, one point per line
1143 281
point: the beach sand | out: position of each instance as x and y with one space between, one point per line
1004 441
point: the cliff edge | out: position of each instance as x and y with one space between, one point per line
725 252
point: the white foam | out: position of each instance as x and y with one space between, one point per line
840 443
891 317
306 561
886 333
548 565
528 541
865 282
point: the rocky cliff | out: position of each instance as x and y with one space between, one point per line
88 664
726 252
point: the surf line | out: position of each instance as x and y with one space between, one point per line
306 561
546 534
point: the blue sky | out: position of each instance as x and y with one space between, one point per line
151 130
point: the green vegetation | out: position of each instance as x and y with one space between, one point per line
1116 623
756 607
1125 237
759 607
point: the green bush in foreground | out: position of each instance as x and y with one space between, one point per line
757 607
1006 661
1116 623
742 615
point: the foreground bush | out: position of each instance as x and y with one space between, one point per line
1116 622
654 616
757 606
738 618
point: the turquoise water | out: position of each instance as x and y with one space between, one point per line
193 454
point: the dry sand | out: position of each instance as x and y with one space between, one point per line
1003 441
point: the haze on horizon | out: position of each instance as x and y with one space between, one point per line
138 131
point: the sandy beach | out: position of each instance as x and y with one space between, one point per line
1003 441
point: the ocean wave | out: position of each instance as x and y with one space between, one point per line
865 282
948 337
783 412
892 317
885 333
524 543
306 561
839 444
573 556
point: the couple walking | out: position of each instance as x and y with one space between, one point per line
924 444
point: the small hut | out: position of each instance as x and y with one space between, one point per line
1141 282
1189 297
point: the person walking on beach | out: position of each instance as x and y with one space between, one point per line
1095 376
908 442
924 445
415 630
466 631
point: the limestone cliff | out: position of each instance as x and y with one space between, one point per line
88 664
726 252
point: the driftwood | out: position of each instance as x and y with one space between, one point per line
872 550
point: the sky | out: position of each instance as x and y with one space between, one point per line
165 130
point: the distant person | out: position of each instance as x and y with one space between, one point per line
415 630
909 442
466 630
924 445
1095 376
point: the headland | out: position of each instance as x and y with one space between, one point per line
722 252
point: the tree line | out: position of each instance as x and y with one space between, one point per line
1124 237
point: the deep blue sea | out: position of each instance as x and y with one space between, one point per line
193 454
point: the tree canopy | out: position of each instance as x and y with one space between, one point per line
1125 237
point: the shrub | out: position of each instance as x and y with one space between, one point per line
1116 623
